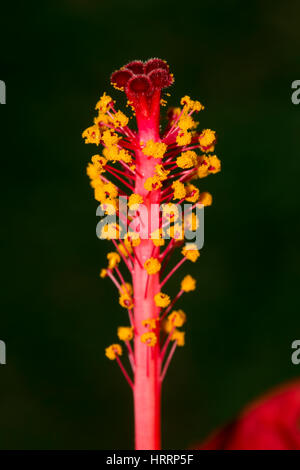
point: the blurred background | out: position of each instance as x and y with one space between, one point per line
57 390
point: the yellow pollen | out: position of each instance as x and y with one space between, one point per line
192 193
188 284
191 252
103 273
184 138
161 173
113 259
93 171
150 323
177 318
170 211
191 221
205 199
179 337
110 231
152 266
126 301
126 288
109 206
104 103
125 333
214 164
134 238
176 231
152 183
92 135
179 190
150 339
154 149
162 300
187 159
186 122
134 201
207 140
107 191
190 105
120 119
110 138
113 351
125 248
156 237
203 166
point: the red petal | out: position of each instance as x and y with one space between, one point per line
273 423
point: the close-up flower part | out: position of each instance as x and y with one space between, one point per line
150 165
152 314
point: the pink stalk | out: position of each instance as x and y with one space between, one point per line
148 152
165 346
121 179
120 172
130 355
167 250
137 258
172 271
171 304
124 371
168 360
121 278
112 277
147 386
129 169
118 286
125 248
122 256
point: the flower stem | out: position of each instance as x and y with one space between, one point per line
147 384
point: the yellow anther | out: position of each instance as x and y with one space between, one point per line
113 259
126 301
113 351
120 119
161 173
152 183
134 201
214 164
162 300
125 333
187 159
150 339
188 284
154 149
205 199
150 323
152 265
103 273
92 135
179 337
177 318
179 190
110 231
126 288
207 140
110 138
191 252
192 193
184 138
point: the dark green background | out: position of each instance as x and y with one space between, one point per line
58 391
